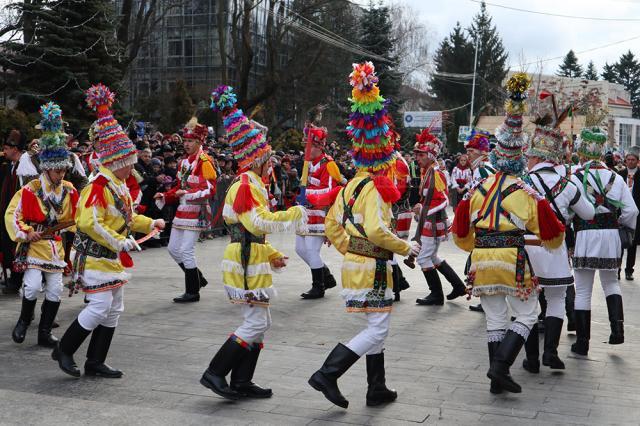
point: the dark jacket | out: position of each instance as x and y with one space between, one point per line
635 192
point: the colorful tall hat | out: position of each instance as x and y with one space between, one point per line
53 153
316 135
247 138
195 131
548 140
113 147
369 122
592 142
428 143
507 155
478 139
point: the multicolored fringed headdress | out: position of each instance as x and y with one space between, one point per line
507 156
373 147
592 142
548 140
113 147
247 138
478 139
53 153
428 143
195 131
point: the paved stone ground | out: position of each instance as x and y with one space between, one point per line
436 359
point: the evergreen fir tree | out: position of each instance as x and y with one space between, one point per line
628 74
72 47
591 73
609 73
492 61
570 66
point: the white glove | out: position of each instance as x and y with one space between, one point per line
415 249
128 245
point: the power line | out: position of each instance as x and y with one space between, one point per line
559 15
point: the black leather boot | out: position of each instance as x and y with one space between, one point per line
49 312
325 380
616 319
450 275
476 308
377 391
329 280
67 346
203 280
583 332
504 358
436 296
569 307
399 281
317 285
493 347
191 285
26 315
553 328
97 354
532 348
242 376
228 356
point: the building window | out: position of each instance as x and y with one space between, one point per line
625 135
175 47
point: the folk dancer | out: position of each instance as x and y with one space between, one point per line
104 221
359 226
40 205
249 259
194 187
491 224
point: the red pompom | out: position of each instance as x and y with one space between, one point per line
462 219
244 198
96 196
550 226
126 260
31 211
324 200
386 189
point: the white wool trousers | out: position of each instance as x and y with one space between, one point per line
428 256
33 284
584 286
104 308
555 301
496 311
308 248
182 246
257 320
370 341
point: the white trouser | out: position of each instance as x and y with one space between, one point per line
182 247
496 313
555 301
370 341
257 320
428 256
33 284
308 248
104 309
584 286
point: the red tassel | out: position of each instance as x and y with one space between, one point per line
462 219
244 198
96 196
386 189
134 187
31 211
74 197
126 260
550 226
324 200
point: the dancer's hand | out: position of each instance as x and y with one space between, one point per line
280 262
159 223
158 195
34 236
415 249
180 192
327 242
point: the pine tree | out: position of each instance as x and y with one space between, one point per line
628 74
609 73
72 47
375 37
492 61
591 73
570 66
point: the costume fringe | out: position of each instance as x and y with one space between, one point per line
386 189
551 230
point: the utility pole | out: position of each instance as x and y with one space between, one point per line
473 87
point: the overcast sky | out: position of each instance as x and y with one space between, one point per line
534 37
